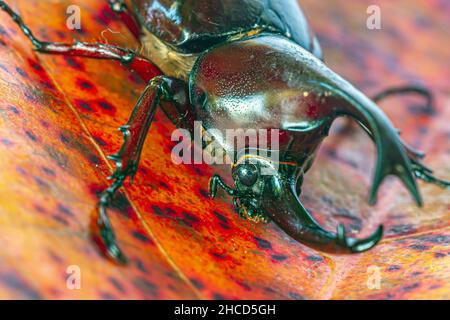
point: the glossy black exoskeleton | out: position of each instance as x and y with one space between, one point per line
245 64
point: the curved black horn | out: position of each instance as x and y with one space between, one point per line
283 206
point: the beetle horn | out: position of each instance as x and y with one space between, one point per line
392 156
285 209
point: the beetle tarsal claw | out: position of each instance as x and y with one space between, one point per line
358 245
426 174
102 226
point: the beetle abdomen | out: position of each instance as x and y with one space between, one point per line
195 25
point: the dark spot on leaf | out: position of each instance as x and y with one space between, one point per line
17 284
117 285
39 209
224 226
157 210
64 210
244 285
141 237
36 66
189 219
279 257
203 192
21 72
100 141
105 105
141 266
72 62
218 296
31 136
419 247
411 287
217 255
107 296
48 171
83 105
400 229
147 287
55 257
164 185
262 243
60 219
295 296
439 255
64 139
85 85
221 217
197 283
394 267
269 290
14 109
314 258
438 239
43 185
6 141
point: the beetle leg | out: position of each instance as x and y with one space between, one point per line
428 108
140 64
420 170
426 174
217 181
127 159
119 7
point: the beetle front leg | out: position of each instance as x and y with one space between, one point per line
217 181
160 89
140 64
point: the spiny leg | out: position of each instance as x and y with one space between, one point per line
428 108
420 170
159 89
141 65
426 174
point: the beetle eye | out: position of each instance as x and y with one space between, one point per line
247 174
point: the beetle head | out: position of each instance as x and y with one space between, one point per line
253 176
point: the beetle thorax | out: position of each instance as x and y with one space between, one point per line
168 60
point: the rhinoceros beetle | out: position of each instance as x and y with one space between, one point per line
213 53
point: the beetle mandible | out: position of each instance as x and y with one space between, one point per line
264 54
